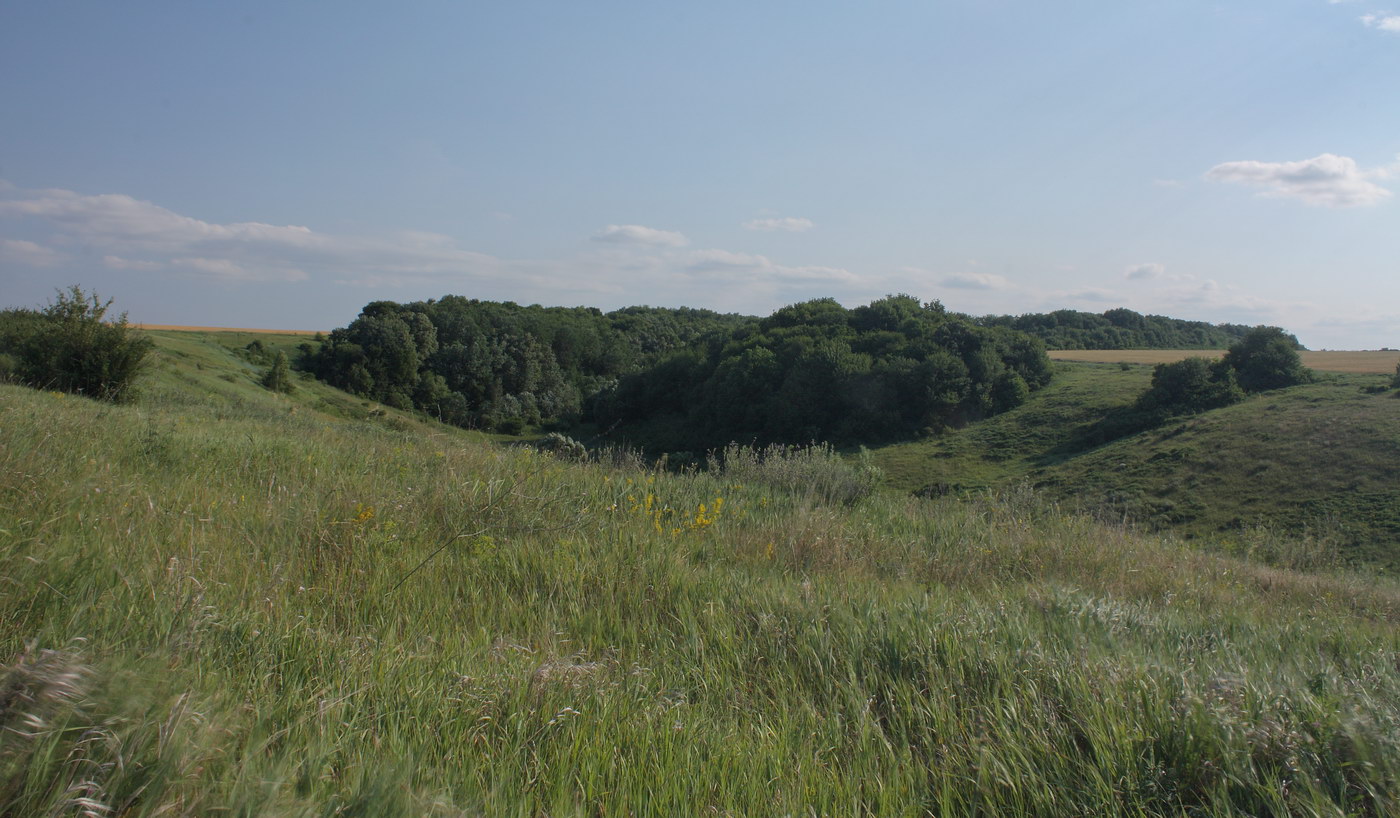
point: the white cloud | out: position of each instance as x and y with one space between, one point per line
755 266
1328 179
226 269
640 234
119 263
28 253
125 236
1137 272
130 234
789 224
1384 22
1097 295
116 217
975 281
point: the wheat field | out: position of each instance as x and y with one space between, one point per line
1359 361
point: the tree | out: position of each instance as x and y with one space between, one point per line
70 347
1267 358
278 377
1191 385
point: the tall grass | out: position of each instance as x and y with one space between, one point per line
233 607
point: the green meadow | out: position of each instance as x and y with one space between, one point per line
222 600
1317 462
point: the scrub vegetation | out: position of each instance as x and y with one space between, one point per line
224 598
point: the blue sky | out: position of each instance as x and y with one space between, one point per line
282 164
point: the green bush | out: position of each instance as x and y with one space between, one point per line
1191 385
278 377
70 346
563 447
1267 358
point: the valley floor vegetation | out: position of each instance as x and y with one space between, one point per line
219 598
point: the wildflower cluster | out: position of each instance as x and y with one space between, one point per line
674 520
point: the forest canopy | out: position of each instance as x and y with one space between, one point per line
686 379
1121 329
816 371
487 364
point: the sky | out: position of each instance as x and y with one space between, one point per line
280 165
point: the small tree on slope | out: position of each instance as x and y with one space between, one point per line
279 376
1266 358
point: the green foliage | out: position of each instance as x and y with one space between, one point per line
816 371
1267 358
203 614
816 472
481 363
1120 329
562 446
71 346
256 352
1191 385
1315 463
1395 381
278 377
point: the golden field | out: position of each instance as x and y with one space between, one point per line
1362 361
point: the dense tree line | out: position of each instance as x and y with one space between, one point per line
816 371
498 364
1121 329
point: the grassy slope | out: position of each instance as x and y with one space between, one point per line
1325 457
208 604
1322 459
1008 447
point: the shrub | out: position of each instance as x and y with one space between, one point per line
278 377
511 426
69 346
1395 382
1267 358
563 446
1191 385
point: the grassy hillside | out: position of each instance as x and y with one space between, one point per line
223 600
1324 458
1007 448
1320 460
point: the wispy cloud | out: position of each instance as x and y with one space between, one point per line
119 263
1328 180
790 224
1384 22
230 270
1139 272
975 281
120 234
129 234
28 253
1096 295
747 264
640 234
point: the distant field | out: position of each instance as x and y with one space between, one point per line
1330 361
227 329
